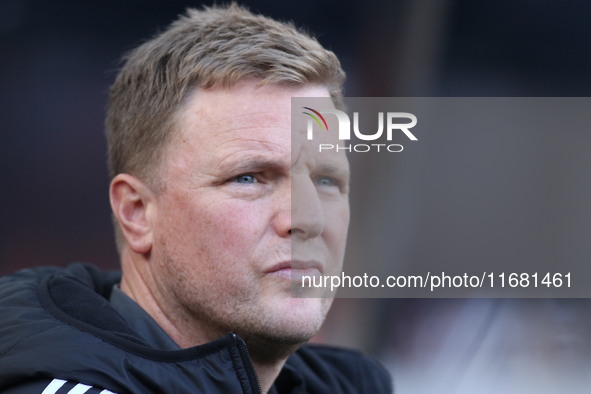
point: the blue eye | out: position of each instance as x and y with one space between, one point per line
245 178
326 181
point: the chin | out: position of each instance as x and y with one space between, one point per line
277 344
294 322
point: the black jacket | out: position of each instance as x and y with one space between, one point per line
58 331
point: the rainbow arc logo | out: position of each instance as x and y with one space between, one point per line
316 115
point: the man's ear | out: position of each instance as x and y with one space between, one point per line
132 203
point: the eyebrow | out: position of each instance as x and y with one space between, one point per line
252 164
330 169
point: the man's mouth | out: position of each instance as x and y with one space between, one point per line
295 269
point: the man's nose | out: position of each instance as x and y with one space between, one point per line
303 216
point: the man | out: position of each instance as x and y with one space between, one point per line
217 203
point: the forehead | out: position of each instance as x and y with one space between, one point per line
243 118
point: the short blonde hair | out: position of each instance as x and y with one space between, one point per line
215 46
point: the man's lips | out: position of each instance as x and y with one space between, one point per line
295 267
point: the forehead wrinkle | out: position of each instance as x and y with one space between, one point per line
239 121
240 140
253 126
236 143
254 157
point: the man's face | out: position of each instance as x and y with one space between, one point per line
241 204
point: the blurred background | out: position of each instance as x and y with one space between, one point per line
59 58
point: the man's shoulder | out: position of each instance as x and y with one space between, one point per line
88 274
339 370
31 334
21 312
41 301
28 297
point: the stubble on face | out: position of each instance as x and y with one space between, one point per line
216 235
215 308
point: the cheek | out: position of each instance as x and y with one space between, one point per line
337 224
207 226
234 222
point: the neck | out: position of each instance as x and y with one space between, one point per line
267 373
139 285
186 332
268 357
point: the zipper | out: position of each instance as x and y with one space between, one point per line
248 363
